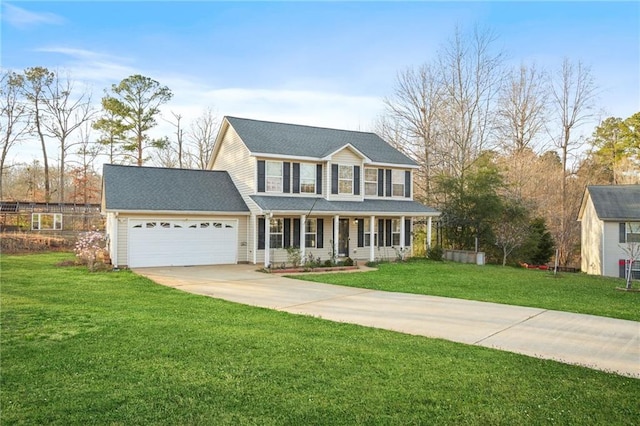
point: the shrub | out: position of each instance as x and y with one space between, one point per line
294 256
435 253
89 249
328 263
348 262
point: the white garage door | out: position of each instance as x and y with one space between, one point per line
164 242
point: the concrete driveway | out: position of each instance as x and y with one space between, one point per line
596 342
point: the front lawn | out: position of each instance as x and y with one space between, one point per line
114 348
568 292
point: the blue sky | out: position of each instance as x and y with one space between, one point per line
321 63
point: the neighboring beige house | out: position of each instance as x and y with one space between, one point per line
270 186
610 218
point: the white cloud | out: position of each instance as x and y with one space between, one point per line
23 18
92 67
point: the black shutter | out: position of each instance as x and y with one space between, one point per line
407 184
623 233
286 176
388 183
407 232
320 231
334 178
380 232
360 232
623 270
296 178
287 232
296 233
387 233
261 232
319 179
261 175
380 182
356 180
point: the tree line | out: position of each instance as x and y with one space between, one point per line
500 149
47 107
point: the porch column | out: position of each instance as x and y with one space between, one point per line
336 226
253 234
402 241
267 239
303 225
372 239
428 233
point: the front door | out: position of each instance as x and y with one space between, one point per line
343 237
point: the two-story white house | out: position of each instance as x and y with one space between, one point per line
327 192
610 220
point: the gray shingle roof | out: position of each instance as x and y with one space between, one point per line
153 188
616 202
306 141
321 205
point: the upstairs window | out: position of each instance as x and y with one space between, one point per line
307 178
370 182
345 179
274 176
397 179
632 232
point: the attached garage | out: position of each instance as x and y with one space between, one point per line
162 242
173 217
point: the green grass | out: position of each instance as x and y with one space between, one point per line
115 348
568 292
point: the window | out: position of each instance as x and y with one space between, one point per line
308 178
371 182
310 232
275 233
397 179
274 176
633 232
367 233
46 221
345 179
395 232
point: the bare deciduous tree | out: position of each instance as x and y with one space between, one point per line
522 109
573 94
14 119
202 136
66 111
37 79
471 73
413 124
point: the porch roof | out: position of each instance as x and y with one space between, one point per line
314 205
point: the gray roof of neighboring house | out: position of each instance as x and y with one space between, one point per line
306 141
162 189
616 202
321 205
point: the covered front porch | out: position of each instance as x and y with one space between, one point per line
366 230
